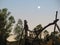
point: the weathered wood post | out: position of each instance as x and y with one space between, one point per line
56 22
26 33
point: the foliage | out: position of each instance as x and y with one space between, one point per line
18 30
38 27
6 23
46 33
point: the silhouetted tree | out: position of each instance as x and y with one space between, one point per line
6 23
54 37
45 33
37 28
19 31
46 36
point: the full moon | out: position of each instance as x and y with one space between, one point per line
38 7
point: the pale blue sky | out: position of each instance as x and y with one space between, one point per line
27 9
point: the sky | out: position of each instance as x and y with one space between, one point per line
28 10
